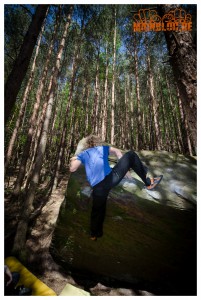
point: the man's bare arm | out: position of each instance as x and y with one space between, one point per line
116 152
74 164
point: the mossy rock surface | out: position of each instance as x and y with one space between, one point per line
148 242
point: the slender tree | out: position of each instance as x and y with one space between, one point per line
113 77
33 118
137 86
21 64
153 98
20 237
65 124
184 124
94 119
105 101
23 104
183 59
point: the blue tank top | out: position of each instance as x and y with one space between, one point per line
96 163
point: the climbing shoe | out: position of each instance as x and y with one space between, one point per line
154 182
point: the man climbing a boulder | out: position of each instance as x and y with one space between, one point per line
93 154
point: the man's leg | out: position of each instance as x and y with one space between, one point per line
98 211
127 161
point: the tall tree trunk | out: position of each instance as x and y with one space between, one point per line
21 64
165 118
175 119
145 135
185 127
33 119
23 105
97 98
20 237
94 117
83 123
64 131
104 113
151 131
132 114
69 142
139 117
153 100
183 59
126 114
35 141
86 130
113 77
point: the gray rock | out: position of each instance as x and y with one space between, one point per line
128 184
154 194
183 190
149 236
117 218
86 191
145 293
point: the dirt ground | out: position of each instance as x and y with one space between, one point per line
99 289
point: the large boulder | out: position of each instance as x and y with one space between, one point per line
149 239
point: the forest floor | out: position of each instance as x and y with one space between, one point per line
56 280
56 277
96 289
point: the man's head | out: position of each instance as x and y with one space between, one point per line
93 141
88 142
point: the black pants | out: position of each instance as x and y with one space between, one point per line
101 190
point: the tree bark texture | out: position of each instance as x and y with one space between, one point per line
20 237
183 59
23 105
153 100
33 119
113 78
139 117
21 64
